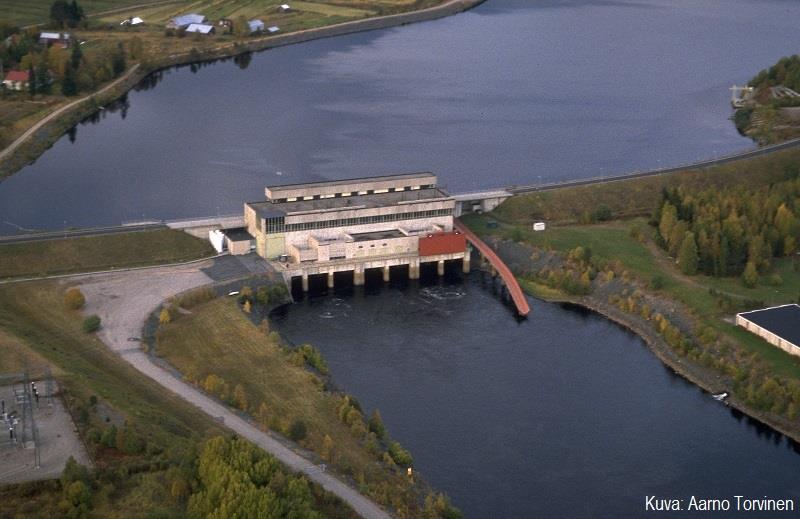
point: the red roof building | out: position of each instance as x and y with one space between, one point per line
16 80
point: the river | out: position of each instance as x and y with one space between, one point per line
512 92
564 414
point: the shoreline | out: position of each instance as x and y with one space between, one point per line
37 139
692 373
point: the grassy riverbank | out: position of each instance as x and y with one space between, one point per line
150 47
144 441
619 268
103 252
276 387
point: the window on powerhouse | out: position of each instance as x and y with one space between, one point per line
277 225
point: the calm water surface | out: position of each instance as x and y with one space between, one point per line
562 415
513 92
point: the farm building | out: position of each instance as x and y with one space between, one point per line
255 25
55 38
285 8
180 22
779 326
16 80
200 28
132 21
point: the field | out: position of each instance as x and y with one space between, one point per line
90 253
23 12
278 390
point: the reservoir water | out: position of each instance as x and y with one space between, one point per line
512 92
562 415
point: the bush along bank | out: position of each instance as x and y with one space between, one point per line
225 347
689 346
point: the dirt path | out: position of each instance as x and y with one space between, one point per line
124 301
446 8
33 129
668 265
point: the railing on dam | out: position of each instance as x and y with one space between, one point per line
517 295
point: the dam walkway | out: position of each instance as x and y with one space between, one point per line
517 295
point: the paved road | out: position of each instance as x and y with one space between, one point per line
124 300
655 172
75 233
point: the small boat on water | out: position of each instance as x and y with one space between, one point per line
720 397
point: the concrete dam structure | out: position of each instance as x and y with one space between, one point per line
322 228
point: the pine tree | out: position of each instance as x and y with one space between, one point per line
31 81
76 56
118 60
687 255
68 85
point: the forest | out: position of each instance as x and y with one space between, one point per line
785 72
730 231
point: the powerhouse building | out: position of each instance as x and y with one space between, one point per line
353 225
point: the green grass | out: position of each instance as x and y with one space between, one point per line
22 12
788 290
279 391
638 197
90 253
607 241
613 241
33 317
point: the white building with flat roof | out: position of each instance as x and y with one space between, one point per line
376 222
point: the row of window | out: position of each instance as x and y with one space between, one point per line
278 225
354 193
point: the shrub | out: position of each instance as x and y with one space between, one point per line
109 437
164 317
399 455
313 358
750 275
240 397
73 299
657 283
298 430
73 471
376 424
602 213
278 294
195 297
245 294
262 295
91 324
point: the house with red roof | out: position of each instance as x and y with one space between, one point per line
17 80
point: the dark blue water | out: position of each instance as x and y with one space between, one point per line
513 92
562 415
